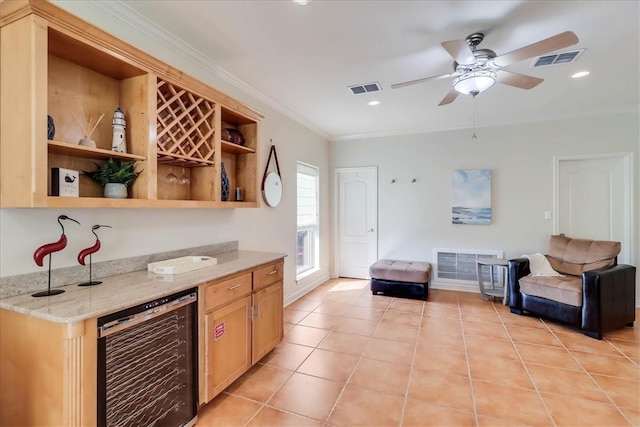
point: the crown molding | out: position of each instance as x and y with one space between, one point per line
132 18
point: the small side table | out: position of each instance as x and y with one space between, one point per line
494 291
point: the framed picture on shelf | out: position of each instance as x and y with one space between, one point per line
65 182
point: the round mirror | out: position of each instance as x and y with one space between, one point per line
272 191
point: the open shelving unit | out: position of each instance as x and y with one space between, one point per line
63 67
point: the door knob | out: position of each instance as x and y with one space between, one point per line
371 230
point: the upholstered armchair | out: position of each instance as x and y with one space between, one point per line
584 288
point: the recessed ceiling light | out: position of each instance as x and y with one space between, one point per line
373 103
579 74
302 2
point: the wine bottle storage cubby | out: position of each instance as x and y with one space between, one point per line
58 65
186 127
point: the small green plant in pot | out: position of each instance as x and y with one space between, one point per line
115 175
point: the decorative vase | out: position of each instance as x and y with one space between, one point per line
51 128
115 191
87 142
225 184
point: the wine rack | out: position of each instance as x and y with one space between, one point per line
186 127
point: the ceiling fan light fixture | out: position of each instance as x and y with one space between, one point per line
474 82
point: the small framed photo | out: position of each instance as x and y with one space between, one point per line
65 182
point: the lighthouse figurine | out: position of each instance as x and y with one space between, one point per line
118 143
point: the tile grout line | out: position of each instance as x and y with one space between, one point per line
344 387
524 365
411 368
466 356
315 347
589 374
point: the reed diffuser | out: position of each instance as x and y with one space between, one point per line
87 126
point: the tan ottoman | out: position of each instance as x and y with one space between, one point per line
408 279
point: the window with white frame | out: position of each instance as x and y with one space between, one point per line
308 219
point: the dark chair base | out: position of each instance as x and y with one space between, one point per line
400 289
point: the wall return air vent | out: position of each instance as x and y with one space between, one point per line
365 88
459 266
556 59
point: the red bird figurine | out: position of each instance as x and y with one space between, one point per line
87 252
93 249
49 248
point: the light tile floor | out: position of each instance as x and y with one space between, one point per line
350 358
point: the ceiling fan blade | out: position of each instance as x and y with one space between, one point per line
460 51
521 81
451 96
559 41
417 81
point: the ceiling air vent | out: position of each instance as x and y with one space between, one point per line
558 58
365 88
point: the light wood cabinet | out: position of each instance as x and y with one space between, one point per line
228 344
47 371
54 64
242 321
267 323
268 326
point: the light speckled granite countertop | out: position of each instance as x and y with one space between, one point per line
129 289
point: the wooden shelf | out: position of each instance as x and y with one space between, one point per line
182 161
56 64
229 147
88 152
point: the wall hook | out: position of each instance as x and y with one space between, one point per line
413 180
393 181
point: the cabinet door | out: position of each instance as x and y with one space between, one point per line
267 320
227 345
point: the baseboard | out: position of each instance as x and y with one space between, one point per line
451 286
308 287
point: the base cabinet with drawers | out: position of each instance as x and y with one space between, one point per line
48 368
241 321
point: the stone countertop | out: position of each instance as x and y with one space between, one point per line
118 292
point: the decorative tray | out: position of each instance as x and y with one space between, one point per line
182 264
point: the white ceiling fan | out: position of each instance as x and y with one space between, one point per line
476 70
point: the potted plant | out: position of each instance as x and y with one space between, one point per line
115 175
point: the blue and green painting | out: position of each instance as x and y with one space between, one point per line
471 197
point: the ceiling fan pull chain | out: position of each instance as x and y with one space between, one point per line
474 117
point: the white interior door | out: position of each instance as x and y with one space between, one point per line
357 234
594 199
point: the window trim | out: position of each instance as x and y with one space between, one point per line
314 229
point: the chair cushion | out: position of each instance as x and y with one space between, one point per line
575 256
564 289
401 271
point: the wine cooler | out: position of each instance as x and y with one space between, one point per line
147 364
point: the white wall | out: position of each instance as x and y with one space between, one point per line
415 218
144 231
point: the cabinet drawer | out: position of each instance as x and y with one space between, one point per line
265 276
227 290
